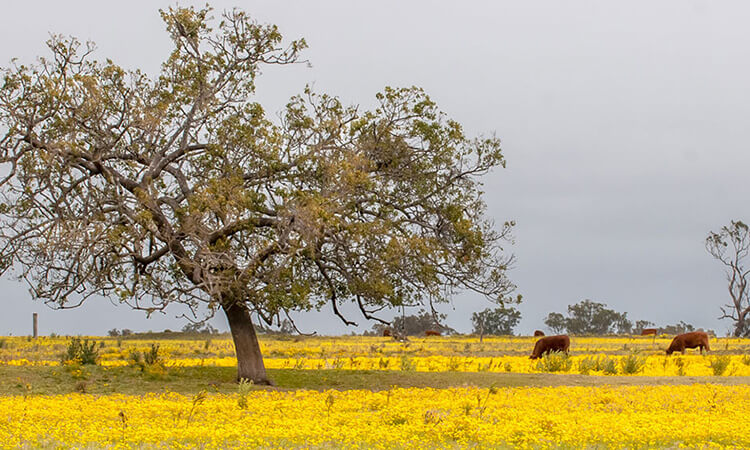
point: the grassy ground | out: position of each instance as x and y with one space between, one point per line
190 380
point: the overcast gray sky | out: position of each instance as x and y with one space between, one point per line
625 127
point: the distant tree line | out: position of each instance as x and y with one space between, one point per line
584 318
414 324
591 318
114 332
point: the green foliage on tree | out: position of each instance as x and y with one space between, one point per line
589 318
678 328
180 189
556 322
497 321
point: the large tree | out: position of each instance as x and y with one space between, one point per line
178 188
730 246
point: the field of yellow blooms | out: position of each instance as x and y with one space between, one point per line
589 355
696 416
714 413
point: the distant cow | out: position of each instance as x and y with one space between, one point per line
648 331
431 333
387 332
547 344
689 340
538 333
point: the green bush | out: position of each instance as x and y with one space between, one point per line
554 362
243 389
719 364
81 352
597 364
151 357
407 364
587 365
680 366
609 366
632 364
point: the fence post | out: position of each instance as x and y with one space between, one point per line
35 324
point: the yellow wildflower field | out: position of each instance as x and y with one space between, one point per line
694 416
589 355
600 416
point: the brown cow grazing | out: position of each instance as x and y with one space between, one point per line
387 332
431 333
538 333
689 340
547 344
648 331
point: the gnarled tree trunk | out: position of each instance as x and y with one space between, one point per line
249 359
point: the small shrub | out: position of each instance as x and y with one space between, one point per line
508 367
555 362
152 356
243 388
609 366
587 365
680 366
597 364
407 364
454 363
719 364
632 364
135 358
746 360
81 352
149 358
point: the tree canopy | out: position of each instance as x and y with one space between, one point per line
497 321
178 188
589 317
